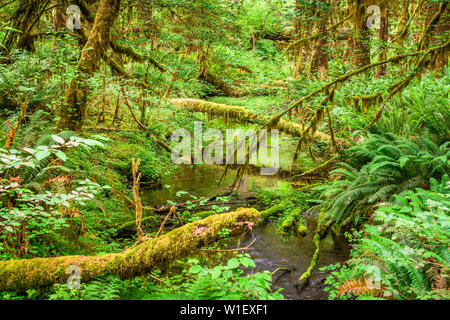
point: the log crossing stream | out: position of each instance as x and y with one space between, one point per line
270 251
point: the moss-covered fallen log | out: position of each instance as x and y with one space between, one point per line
286 34
222 85
243 115
129 228
275 210
20 275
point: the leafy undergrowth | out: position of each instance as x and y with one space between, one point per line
234 280
404 255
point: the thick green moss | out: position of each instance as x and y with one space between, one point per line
312 265
302 230
20 275
275 210
129 227
203 214
294 220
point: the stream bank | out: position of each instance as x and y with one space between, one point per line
270 250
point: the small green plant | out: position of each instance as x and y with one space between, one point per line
30 221
223 282
104 288
232 281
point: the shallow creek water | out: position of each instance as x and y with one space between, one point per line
270 251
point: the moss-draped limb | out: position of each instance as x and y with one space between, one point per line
307 274
217 82
128 51
20 275
275 210
243 115
403 83
355 72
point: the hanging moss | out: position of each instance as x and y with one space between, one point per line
240 114
367 102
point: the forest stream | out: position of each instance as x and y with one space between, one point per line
230 150
270 251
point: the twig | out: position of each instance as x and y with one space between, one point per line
232 250
172 211
157 279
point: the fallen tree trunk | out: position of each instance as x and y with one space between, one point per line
222 85
20 275
244 115
287 34
129 228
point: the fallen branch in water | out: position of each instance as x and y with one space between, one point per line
233 250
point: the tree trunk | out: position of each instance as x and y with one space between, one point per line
404 18
24 19
59 17
301 29
361 36
440 32
73 112
20 275
319 56
383 34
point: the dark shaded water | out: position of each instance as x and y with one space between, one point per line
202 181
270 251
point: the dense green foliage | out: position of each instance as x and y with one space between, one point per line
364 150
404 255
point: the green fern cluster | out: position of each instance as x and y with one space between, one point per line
417 109
391 165
406 252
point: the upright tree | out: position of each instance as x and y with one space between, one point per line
74 110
